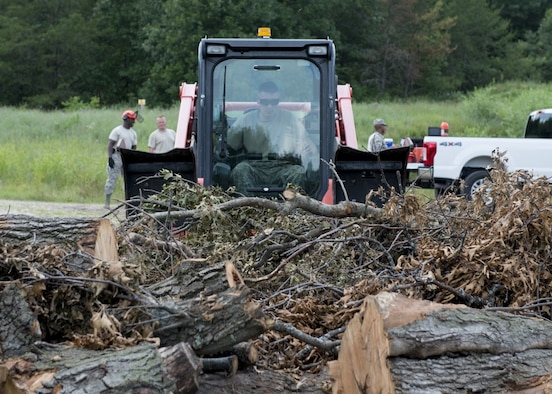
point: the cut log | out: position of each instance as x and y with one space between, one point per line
361 366
193 277
395 344
213 324
94 236
247 353
182 366
64 369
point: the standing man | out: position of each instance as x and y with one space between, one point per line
376 142
121 137
162 139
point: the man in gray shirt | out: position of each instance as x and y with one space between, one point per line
162 139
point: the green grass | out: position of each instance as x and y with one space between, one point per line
61 156
495 111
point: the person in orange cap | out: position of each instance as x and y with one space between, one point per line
121 137
444 129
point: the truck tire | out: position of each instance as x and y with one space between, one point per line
473 182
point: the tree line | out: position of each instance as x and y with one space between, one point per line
108 52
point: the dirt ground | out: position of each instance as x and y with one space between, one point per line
49 209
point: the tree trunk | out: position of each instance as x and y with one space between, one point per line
138 369
397 344
194 277
212 324
94 236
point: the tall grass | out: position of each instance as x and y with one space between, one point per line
499 110
61 156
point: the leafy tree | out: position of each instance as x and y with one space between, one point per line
524 16
394 47
42 53
120 50
418 44
122 65
543 49
173 37
483 51
353 31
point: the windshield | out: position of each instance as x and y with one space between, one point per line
266 125
539 125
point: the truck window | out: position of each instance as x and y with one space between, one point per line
266 126
539 125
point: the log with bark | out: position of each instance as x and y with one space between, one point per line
211 324
194 276
396 344
94 236
265 382
19 327
49 369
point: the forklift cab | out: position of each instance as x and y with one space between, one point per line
231 71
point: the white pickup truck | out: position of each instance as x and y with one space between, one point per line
451 159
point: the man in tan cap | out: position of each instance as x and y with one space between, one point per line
376 142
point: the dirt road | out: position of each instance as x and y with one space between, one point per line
51 209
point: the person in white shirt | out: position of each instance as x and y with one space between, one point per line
121 137
162 139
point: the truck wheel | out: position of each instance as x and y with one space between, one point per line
441 191
473 183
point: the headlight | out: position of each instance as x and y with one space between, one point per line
318 50
216 50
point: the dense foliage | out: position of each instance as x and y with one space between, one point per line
114 52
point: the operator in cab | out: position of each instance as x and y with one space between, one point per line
274 144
